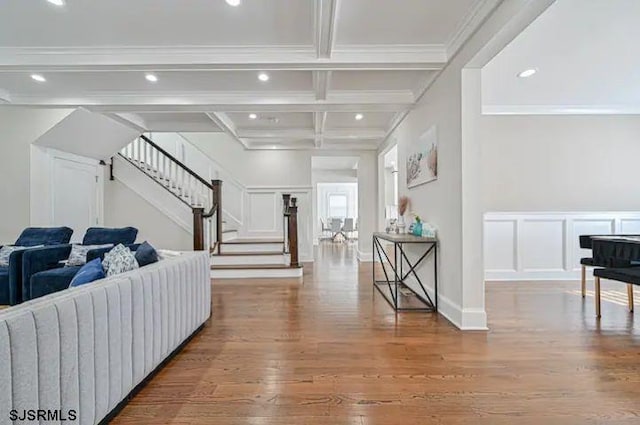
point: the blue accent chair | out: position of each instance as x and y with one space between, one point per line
11 276
44 273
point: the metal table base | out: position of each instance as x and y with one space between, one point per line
390 288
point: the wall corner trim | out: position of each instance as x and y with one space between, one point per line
470 319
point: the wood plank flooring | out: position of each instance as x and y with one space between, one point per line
330 351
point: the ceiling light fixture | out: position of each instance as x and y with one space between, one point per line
151 78
359 117
57 2
527 73
252 116
234 3
39 78
263 76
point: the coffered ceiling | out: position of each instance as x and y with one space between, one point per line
340 72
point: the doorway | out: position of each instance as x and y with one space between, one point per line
335 183
75 194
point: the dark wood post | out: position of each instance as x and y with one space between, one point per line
293 233
285 215
198 228
217 201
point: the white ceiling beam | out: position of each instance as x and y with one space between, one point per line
238 58
321 84
304 133
318 127
326 17
223 122
342 100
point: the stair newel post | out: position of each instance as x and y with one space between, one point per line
286 197
293 233
217 202
198 228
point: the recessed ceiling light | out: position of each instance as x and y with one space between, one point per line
151 78
57 2
39 78
252 116
233 3
527 73
263 76
359 117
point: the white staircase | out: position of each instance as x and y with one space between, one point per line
231 257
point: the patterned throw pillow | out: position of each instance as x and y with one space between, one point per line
78 256
119 260
6 251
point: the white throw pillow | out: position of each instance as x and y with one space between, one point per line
6 251
78 256
119 260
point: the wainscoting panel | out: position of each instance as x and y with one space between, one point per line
500 252
263 215
262 212
544 246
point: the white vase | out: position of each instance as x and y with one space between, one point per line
402 228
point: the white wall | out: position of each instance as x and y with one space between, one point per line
560 163
20 127
124 207
548 179
461 285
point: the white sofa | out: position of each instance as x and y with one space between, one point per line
86 349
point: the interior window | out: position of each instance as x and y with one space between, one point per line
337 206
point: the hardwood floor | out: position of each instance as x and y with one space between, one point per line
331 352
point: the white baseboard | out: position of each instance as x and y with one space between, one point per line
466 320
365 257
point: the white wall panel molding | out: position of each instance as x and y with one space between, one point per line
263 215
544 245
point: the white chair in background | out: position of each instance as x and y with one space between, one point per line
348 228
325 229
336 228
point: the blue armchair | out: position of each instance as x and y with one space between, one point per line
11 276
44 273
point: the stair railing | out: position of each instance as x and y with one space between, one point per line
202 197
291 219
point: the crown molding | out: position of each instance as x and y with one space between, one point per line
561 109
469 24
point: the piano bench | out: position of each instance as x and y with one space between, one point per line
628 275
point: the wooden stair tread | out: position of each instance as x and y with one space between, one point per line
243 253
252 241
253 267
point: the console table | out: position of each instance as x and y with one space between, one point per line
390 287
